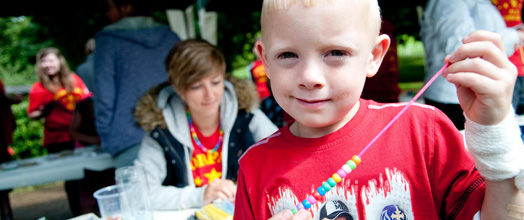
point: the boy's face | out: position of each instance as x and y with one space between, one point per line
317 59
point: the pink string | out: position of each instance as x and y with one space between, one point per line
405 108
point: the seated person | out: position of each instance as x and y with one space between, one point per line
197 128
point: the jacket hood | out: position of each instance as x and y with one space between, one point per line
148 111
140 30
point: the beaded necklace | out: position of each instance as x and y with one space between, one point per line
355 160
195 137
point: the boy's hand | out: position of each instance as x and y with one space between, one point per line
288 215
484 77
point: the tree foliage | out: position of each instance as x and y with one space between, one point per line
18 37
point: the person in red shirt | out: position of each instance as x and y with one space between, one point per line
54 98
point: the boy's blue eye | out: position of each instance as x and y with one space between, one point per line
337 53
287 55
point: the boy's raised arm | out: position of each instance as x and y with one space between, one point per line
484 78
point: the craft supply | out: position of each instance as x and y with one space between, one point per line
195 137
356 160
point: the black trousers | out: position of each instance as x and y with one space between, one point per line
453 111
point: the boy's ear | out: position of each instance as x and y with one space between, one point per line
261 52
377 54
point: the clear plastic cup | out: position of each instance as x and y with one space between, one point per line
134 193
108 199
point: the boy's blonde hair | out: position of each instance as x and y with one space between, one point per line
368 9
192 60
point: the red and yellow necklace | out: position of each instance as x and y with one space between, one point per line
195 137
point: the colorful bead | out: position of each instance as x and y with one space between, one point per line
317 195
300 206
331 182
346 169
336 177
311 199
321 190
294 211
356 159
341 173
306 204
326 186
351 164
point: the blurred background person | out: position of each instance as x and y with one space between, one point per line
129 59
7 127
83 127
54 98
86 69
198 126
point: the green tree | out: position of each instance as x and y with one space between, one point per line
18 37
27 138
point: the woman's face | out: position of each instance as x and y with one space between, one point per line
50 64
203 97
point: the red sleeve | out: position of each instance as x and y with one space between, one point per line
38 97
243 207
458 185
80 84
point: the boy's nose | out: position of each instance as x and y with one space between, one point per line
311 76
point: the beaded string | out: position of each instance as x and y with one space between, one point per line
355 160
195 137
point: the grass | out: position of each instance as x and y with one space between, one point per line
411 64
25 189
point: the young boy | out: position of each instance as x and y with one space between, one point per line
318 55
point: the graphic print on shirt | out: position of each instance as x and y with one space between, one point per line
69 100
206 166
384 199
387 199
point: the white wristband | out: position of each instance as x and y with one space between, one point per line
498 150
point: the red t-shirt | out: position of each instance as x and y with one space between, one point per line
419 168
60 106
206 166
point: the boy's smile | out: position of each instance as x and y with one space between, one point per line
317 64
312 103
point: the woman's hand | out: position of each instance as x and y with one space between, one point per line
288 215
220 189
